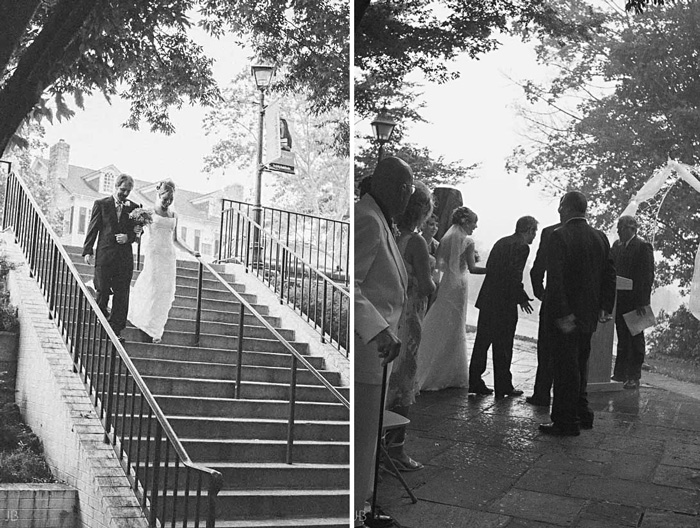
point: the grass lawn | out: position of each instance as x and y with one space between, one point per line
676 368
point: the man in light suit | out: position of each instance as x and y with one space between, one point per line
580 293
380 292
114 232
634 259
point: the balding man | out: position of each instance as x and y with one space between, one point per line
634 259
380 292
580 292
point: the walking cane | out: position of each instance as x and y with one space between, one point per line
379 442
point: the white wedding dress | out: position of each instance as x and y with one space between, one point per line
154 291
442 355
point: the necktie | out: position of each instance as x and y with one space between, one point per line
119 210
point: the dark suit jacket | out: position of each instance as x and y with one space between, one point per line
503 285
539 267
636 262
580 274
104 226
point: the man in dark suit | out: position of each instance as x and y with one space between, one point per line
500 295
580 292
634 259
543 377
114 232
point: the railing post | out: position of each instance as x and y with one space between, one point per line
8 188
198 316
221 228
292 409
156 475
215 485
110 391
239 361
324 311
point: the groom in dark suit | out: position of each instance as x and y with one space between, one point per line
114 232
500 295
580 292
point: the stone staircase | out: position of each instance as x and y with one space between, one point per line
245 439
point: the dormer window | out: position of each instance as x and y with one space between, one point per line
107 182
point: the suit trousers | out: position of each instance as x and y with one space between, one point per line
495 328
570 356
367 404
630 352
114 278
544 376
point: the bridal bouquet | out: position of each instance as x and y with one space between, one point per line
141 216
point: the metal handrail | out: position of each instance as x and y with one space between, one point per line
80 320
285 224
289 269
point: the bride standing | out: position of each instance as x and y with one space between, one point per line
442 355
154 291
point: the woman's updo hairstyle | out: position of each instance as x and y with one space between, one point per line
420 206
462 215
166 186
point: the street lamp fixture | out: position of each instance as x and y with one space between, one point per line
262 73
383 128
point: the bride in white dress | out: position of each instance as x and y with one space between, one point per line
154 291
442 355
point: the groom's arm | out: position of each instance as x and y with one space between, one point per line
93 228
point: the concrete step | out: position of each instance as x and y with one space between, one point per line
187 325
229 306
228 316
206 451
267 476
217 341
248 408
265 505
226 389
227 372
215 355
325 522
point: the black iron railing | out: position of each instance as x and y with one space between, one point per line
323 242
172 490
322 301
296 357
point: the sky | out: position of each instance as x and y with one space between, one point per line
474 119
97 139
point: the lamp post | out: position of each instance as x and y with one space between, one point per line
262 73
383 127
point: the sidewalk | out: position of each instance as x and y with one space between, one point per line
487 466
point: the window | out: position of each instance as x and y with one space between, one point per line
206 249
183 234
107 182
197 237
70 219
216 243
82 220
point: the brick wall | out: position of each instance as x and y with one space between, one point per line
54 403
38 506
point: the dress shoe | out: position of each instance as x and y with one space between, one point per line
631 384
617 378
513 393
587 425
556 430
379 520
537 401
483 390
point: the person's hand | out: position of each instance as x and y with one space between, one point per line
604 317
526 306
567 324
121 238
138 229
196 254
641 311
388 346
88 260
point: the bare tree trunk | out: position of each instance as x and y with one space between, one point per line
40 65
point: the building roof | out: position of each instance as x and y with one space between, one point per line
82 181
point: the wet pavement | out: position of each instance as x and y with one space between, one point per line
488 466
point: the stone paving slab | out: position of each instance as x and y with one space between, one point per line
488 466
